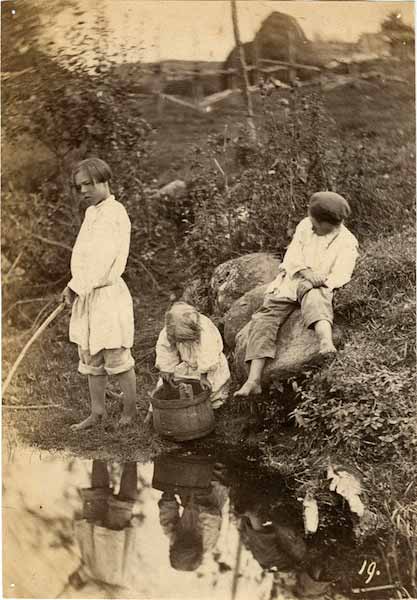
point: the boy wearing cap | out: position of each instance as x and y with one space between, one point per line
320 258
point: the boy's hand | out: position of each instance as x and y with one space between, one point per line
167 377
67 296
314 278
303 287
204 382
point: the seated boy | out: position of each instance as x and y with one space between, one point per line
320 258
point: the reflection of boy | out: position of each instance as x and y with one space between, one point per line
272 545
196 531
107 534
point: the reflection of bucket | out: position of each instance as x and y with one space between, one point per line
183 419
179 474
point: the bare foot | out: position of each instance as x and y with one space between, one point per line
249 388
90 421
126 420
327 349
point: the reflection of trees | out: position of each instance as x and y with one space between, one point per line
271 527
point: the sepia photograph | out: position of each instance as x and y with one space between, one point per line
208 278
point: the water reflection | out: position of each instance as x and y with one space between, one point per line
190 508
107 531
184 527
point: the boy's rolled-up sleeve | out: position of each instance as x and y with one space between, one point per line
167 357
294 260
209 348
342 269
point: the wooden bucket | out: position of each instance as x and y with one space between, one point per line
180 474
183 419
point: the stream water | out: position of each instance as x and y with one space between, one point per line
186 526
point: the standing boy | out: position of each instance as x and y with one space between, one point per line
320 258
102 310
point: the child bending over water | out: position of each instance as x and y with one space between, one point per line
190 347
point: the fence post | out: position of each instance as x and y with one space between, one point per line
256 72
197 85
292 72
244 73
158 87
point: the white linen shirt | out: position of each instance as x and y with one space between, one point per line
102 313
192 359
333 256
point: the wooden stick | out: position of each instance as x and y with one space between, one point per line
16 260
181 102
26 301
295 65
34 406
37 333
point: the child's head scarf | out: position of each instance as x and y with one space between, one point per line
182 323
329 207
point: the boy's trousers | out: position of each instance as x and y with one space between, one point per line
316 305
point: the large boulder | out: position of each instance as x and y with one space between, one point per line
297 347
241 312
237 276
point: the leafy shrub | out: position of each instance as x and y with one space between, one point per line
248 198
73 112
384 273
364 402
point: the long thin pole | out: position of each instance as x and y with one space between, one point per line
244 73
37 333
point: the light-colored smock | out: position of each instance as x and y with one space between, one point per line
333 256
109 556
102 313
190 360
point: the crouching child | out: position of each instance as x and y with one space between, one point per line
190 348
320 258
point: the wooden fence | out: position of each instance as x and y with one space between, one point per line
265 69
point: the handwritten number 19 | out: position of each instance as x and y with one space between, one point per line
368 569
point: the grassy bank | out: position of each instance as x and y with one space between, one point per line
359 410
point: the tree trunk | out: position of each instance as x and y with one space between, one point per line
242 61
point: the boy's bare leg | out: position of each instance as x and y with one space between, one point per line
323 330
100 475
253 382
129 482
127 382
97 386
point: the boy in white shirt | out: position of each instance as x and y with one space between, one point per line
102 310
320 258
